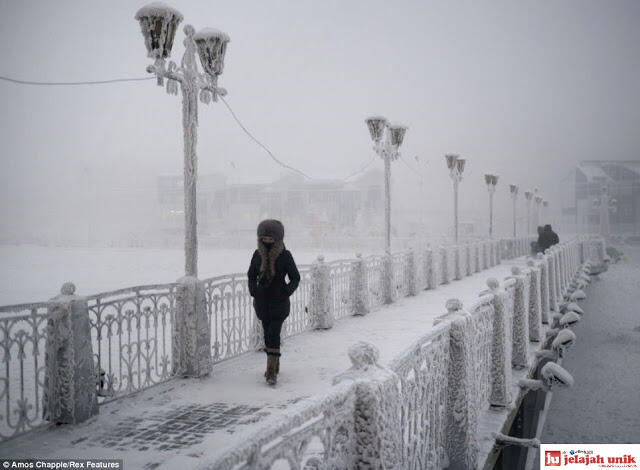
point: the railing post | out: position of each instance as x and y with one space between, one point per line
410 276
190 332
321 305
359 287
388 279
444 266
378 431
519 356
535 323
457 263
70 394
501 347
467 251
462 419
429 269
476 255
544 288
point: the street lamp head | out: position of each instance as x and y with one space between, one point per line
538 199
495 180
396 133
212 45
488 179
158 23
513 188
460 163
545 203
451 160
528 195
376 125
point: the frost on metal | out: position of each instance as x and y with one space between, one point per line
444 266
410 274
520 338
69 394
477 265
467 257
501 346
359 289
544 288
535 323
457 262
190 332
321 304
429 269
468 385
320 433
388 279
553 295
147 16
423 370
378 409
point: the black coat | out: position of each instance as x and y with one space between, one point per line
547 239
271 299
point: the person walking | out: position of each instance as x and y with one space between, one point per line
270 263
547 238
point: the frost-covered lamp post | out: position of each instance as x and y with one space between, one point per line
386 145
159 23
456 168
513 189
528 195
536 212
492 182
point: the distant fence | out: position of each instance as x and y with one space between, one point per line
423 408
132 329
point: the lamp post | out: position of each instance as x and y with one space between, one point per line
513 189
528 195
492 182
536 212
159 23
456 168
387 139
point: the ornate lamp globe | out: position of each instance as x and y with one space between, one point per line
460 163
396 133
376 125
494 180
212 46
528 195
158 23
488 179
513 189
451 160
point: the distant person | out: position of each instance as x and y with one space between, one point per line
270 263
535 245
547 238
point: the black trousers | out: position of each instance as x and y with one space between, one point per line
272 329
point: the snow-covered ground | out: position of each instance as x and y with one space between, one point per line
604 404
36 273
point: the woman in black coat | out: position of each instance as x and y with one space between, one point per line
270 263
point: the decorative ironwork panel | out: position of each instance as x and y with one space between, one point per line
400 285
375 270
299 319
317 433
22 342
340 278
131 336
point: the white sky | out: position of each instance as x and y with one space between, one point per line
520 88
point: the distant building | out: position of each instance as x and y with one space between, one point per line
583 187
306 206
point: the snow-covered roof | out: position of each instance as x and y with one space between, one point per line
210 33
158 9
592 172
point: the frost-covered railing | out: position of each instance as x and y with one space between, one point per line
132 329
422 409
22 342
316 433
132 338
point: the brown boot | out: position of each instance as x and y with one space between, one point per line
271 370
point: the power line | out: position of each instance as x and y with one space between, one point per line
95 82
233 114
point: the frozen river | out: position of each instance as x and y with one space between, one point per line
35 273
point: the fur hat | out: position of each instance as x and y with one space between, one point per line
271 228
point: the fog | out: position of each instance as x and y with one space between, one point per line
524 89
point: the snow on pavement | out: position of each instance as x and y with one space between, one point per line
181 420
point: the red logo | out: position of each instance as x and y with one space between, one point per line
552 458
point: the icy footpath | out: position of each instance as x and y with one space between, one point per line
176 423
